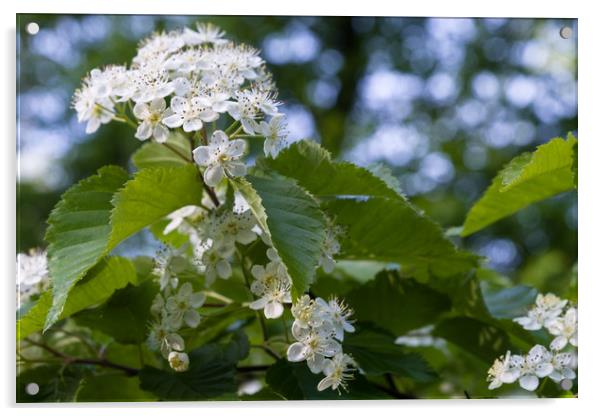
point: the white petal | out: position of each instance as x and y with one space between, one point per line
224 270
236 148
197 299
219 137
165 90
181 86
161 133
213 175
92 126
208 116
248 126
510 376
529 382
158 105
257 271
258 304
317 364
192 125
179 104
296 352
325 383
273 310
544 369
201 155
141 111
236 169
558 343
246 236
144 131
173 121
192 318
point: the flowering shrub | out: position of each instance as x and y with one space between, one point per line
248 285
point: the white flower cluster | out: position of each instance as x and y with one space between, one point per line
330 247
218 235
560 320
32 274
319 329
174 307
189 79
272 285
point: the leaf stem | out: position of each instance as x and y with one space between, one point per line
232 127
218 296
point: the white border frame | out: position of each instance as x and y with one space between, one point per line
590 34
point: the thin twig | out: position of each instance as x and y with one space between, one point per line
268 350
177 152
102 362
252 368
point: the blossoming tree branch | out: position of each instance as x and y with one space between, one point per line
254 291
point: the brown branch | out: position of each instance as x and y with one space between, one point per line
252 368
101 362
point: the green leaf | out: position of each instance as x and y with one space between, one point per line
484 341
152 154
380 223
78 232
125 316
98 285
388 230
468 301
216 323
56 383
112 388
294 381
210 374
314 170
293 220
510 302
396 304
152 194
377 354
527 179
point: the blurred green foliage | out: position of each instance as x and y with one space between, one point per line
538 246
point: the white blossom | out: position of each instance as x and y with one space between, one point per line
337 314
91 107
564 366
215 262
32 275
220 157
330 248
338 371
163 268
190 113
179 361
249 105
565 330
502 371
149 83
236 227
535 365
32 268
152 115
314 347
205 33
182 306
274 132
272 285
179 219
546 309
157 46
